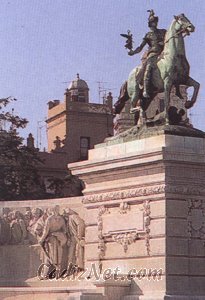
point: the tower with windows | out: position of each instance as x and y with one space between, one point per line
78 123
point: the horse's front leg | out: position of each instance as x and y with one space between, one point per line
167 90
191 82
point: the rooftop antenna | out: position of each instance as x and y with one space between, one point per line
102 91
105 92
100 88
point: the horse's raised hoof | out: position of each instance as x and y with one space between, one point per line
188 104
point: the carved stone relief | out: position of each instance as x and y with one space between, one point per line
61 236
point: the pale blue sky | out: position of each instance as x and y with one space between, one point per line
44 43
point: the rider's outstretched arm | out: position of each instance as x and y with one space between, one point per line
138 49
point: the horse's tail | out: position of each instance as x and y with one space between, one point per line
122 99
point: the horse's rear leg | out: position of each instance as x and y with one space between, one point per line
136 109
135 100
196 86
120 103
167 90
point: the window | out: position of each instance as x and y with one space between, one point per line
81 97
84 147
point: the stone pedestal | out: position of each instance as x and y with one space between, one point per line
145 202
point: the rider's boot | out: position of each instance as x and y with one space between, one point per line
146 85
147 79
146 88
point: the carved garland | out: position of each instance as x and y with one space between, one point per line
196 219
125 239
101 242
147 213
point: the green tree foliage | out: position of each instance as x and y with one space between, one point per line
19 177
70 186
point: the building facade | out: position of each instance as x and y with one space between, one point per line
75 125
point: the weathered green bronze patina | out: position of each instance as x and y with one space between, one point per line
155 40
170 68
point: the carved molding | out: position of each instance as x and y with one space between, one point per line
125 194
185 189
145 191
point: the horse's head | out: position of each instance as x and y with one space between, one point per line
183 24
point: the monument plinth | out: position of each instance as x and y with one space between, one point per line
145 212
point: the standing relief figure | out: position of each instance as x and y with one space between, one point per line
53 241
76 231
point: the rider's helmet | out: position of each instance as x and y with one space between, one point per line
152 18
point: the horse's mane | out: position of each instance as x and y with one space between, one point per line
170 40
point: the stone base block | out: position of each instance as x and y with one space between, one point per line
163 297
184 297
51 293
